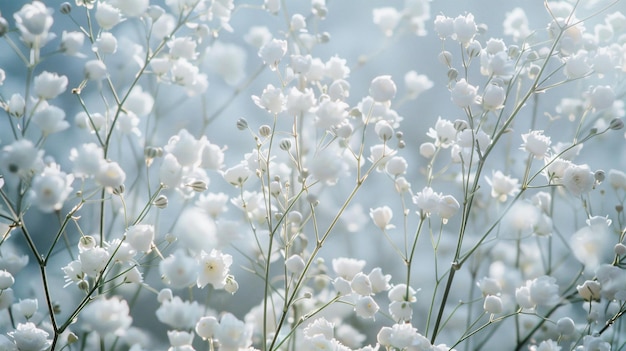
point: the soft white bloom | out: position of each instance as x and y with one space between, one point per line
182 47
589 290
28 337
140 237
347 268
447 207
71 43
131 8
179 314
444 26
544 291
502 186
6 279
576 66
464 28
214 268
536 143
295 264
361 284
110 175
297 23
6 298
522 296
206 327
320 326
272 99
617 179
379 281
416 83
51 188
106 44
299 102
50 119
184 73
601 97
493 97
428 150
95 70
516 24
257 36
93 261
489 286
34 20
272 6
382 217
237 175
578 179
464 94
170 172
179 339
546 345
228 61
107 16
427 200
106 316
382 88
330 113
16 105
492 304
179 270
231 333
48 85
336 68
593 244
612 279
185 147
272 52
366 307
387 19
566 326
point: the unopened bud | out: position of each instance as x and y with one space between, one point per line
285 144
401 144
452 74
324 37
83 285
119 190
86 242
71 338
620 249
160 202
460 125
198 186
265 130
66 8
616 124
599 176
445 57
4 26
473 49
242 124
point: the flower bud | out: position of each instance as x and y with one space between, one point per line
265 130
160 202
28 307
86 242
427 150
65 8
4 26
231 285
445 57
242 124
71 338
6 280
599 176
198 186
620 249
452 74
285 144
473 48
492 304
616 124
566 326
384 130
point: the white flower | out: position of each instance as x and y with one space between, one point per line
544 291
110 175
427 200
427 150
576 66
381 217
6 280
382 89
237 175
365 307
179 338
140 237
170 172
387 19
593 244
492 304
93 261
330 113
612 279
132 8
106 316
578 179
566 326
347 268
16 105
503 186
299 102
516 24
272 6
444 26
182 47
320 326
493 97
536 143
379 281
444 133
361 284
107 16
272 100
95 70
295 264
257 36
464 94
214 268
206 327
28 337
617 179
71 43
179 314
272 52
51 188
336 68
447 207
228 61
464 28
601 97
34 21
416 83
48 85
50 119
185 147
106 44
179 270
522 296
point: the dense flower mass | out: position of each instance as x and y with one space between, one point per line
196 175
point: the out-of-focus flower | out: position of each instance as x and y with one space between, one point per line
578 179
272 52
48 85
51 188
27 337
34 21
464 94
107 316
536 143
382 89
387 19
502 186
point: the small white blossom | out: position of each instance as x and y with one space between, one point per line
106 316
214 268
578 179
503 186
272 52
464 94
28 337
382 89
48 85
107 16
536 143
382 217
